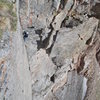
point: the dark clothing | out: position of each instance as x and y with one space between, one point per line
25 35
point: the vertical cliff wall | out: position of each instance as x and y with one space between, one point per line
58 59
15 83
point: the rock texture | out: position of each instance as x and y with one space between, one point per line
59 59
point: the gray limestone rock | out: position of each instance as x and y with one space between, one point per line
59 59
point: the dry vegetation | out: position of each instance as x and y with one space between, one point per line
8 18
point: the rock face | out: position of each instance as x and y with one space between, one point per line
58 58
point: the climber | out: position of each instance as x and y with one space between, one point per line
25 35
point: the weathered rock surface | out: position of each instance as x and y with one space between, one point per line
59 59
